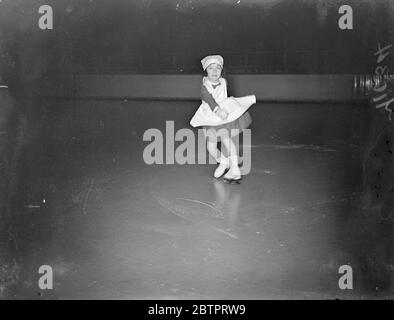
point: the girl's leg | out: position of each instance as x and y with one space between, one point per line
230 146
213 150
234 173
219 157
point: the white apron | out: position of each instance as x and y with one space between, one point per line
235 107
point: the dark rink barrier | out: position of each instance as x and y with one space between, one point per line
281 88
12 139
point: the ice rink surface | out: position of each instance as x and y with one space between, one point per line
113 227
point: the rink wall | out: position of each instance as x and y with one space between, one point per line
281 88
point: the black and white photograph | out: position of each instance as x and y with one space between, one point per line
196 150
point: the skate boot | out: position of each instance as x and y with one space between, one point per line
224 164
234 174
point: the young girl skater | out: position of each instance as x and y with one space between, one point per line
222 118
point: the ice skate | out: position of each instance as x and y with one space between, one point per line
234 173
224 164
232 181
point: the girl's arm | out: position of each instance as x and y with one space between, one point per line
207 97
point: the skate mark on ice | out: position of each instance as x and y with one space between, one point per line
165 204
87 196
203 203
264 171
228 233
298 146
281 208
332 200
160 229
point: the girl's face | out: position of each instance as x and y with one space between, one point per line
214 72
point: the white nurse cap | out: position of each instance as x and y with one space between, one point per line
212 59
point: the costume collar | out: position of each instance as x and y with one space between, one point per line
205 80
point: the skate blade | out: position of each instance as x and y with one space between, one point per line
232 181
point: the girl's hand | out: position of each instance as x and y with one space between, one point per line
223 114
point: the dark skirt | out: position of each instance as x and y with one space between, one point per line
231 129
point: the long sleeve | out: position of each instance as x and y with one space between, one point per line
207 97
